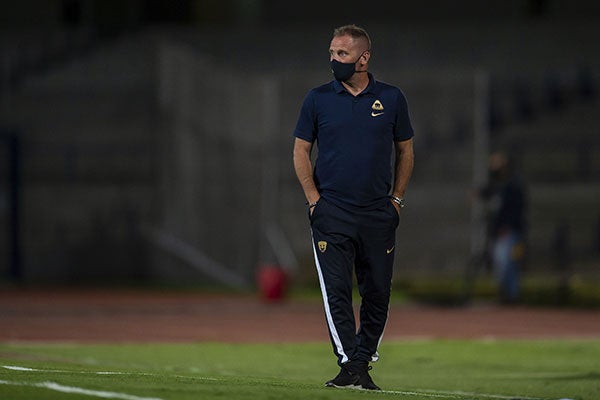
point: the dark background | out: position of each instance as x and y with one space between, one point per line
99 185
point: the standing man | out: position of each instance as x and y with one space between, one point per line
353 207
506 200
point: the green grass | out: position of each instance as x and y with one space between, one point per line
576 292
408 370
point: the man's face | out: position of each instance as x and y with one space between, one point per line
344 49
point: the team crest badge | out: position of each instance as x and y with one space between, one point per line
322 246
377 106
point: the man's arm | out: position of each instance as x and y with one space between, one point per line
403 168
304 170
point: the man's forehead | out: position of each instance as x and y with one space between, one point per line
343 40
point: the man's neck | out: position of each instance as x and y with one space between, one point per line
357 83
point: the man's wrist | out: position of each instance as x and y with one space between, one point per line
311 205
398 200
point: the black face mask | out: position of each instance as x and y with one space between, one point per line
344 71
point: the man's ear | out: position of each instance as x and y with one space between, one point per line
366 56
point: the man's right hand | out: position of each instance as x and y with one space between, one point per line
315 205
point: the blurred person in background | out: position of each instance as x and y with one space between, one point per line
353 204
506 206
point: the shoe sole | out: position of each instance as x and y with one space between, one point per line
353 387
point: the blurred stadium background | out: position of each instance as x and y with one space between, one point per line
150 141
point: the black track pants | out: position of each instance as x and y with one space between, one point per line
365 242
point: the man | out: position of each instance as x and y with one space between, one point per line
506 202
356 122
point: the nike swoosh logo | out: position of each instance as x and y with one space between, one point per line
390 250
374 114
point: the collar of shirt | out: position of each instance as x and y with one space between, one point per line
339 88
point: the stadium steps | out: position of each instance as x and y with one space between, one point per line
559 146
89 175
91 115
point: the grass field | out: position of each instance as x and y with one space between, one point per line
408 370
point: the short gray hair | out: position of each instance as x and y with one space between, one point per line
356 32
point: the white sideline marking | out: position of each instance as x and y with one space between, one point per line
425 394
455 394
25 369
14 368
536 375
62 371
490 396
458 394
73 389
108 373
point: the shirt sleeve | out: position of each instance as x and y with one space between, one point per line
307 121
403 129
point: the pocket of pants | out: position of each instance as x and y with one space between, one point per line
315 210
395 214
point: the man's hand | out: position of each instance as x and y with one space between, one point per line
396 206
313 205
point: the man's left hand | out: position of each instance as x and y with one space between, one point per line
396 206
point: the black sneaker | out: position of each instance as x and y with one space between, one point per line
354 375
365 381
345 379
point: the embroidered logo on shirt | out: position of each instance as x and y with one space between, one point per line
377 108
390 250
322 246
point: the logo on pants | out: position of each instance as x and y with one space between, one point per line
322 246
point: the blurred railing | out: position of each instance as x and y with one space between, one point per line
23 54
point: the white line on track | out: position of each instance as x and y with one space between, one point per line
77 390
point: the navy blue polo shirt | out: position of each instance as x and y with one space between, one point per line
355 138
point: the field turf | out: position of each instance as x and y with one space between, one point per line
474 369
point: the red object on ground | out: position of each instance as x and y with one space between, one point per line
272 282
